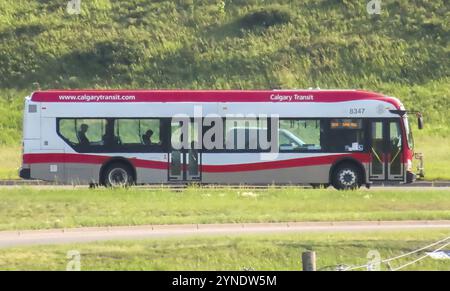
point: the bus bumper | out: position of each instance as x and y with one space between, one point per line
410 177
25 173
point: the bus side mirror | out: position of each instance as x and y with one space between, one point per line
420 121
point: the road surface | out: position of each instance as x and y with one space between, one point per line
91 234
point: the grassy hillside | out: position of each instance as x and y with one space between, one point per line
245 44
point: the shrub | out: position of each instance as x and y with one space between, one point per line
265 18
109 57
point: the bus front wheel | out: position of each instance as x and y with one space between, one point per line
347 177
118 175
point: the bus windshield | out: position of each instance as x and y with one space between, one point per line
409 135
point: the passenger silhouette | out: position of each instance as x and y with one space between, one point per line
147 137
81 135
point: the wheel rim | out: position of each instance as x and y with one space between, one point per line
347 178
118 177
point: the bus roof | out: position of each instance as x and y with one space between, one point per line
86 96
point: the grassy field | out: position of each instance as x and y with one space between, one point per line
27 208
436 151
230 44
10 160
237 252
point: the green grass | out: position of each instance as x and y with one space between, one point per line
10 160
236 252
436 151
231 44
29 208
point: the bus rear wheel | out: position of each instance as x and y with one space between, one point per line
347 177
118 175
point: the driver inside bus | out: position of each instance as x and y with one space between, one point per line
81 134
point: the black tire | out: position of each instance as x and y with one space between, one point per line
118 175
347 177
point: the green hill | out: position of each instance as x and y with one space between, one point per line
214 44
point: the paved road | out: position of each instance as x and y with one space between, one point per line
83 235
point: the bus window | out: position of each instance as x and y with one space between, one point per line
94 132
300 135
138 132
82 132
68 129
127 130
150 131
345 135
409 135
245 134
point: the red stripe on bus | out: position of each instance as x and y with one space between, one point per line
87 159
63 158
291 163
139 163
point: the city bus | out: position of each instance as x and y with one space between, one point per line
343 138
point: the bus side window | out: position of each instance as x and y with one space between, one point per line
138 135
345 135
245 134
82 133
95 131
150 129
67 128
300 135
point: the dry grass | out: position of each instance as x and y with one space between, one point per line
10 159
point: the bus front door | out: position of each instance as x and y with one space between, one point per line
386 151
184 164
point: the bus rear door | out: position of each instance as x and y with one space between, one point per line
184 164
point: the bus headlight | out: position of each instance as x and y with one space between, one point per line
409 165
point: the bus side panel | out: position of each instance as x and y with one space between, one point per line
82 174
294 175
151 176
268 172
47 166
150 168
52 172
65 173
249 168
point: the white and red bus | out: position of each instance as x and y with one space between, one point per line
346 138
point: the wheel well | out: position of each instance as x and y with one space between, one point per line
351 161
120 160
